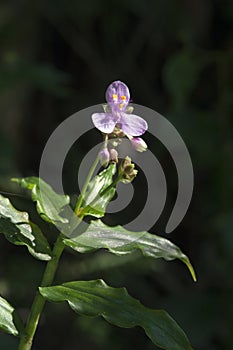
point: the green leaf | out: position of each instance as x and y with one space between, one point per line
120 241
17 228
94 202
6 317
96 298
49 204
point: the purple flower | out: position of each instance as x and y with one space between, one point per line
117 97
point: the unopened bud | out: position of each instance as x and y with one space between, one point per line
106 108
138 144
114 142
113 155
129 109
127 171
116 133
104 157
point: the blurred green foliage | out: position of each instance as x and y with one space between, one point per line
57 57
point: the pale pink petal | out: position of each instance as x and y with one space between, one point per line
132 124
104 122
116 91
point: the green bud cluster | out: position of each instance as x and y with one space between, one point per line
126 171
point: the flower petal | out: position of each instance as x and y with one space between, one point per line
104 122
117 92
132 124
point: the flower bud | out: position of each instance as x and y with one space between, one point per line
129 109
115 141
113 155
106 108
104 157
127 171
138 144
117 133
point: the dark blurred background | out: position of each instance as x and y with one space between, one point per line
57 57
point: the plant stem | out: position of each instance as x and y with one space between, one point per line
39 301
88 179
113 184
89 176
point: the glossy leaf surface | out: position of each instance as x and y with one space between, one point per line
6 317
49 204
18 229
120 241
96 298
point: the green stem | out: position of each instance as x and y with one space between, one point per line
39 301
88 179
113 184
89 176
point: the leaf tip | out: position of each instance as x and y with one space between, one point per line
15 179
191 269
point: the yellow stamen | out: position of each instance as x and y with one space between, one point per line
123 97
114 96
121 105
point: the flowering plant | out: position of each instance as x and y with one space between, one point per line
91 298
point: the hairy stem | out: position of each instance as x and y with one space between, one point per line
39 301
